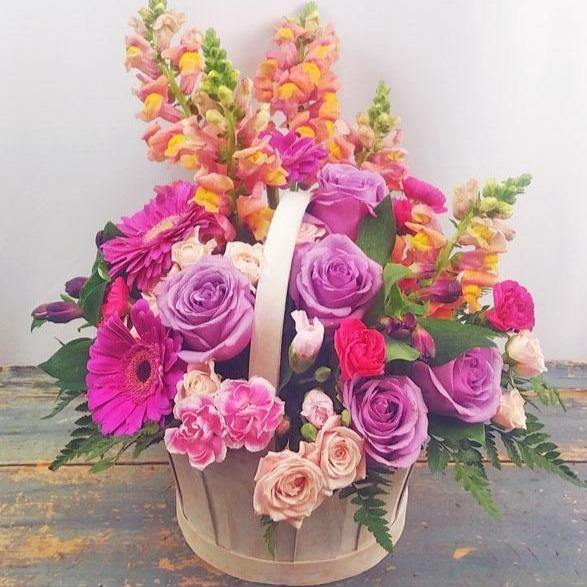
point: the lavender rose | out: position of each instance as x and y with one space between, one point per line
345 195
333 279
468 387
211 305
390 414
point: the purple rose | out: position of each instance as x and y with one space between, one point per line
333 279
345 195
390 414
211 305
468 387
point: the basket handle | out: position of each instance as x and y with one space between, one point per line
273 284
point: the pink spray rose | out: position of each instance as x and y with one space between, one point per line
306 343
200 434
340 454
251 411
524 349
288 487
513 307
511 412
345 195
317 407
468 387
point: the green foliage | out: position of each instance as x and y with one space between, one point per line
437 454
68 364
371 511
377 234
92 293
547 394
453 338
309 11
88 442
534 448
468 468
491 447
470 473
37 323
269 534
452 429
507 190
221 77
398 350
394 302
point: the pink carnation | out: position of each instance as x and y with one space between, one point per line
200 434
513 307
251 411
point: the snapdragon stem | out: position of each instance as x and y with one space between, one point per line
174 87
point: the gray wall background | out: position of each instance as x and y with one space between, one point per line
483 88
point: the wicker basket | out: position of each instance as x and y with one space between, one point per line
215 507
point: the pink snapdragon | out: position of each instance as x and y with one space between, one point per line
156 104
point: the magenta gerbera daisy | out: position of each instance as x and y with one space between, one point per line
132 378
143 252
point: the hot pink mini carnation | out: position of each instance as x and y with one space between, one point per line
200 434
132 379
513 307
251 411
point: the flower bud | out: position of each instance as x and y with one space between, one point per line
345 418
216 119
57 312
505 210
307 342
423 342
309 432
443 291
510 413
283 427
225 96
488 204
74 286
401 328
317 407
322 374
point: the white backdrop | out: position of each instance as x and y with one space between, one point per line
483 88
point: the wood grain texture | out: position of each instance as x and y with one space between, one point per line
118 528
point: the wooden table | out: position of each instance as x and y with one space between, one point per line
118 528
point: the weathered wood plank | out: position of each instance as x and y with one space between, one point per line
26 396
118 528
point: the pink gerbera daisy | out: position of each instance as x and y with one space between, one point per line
143 252
132 379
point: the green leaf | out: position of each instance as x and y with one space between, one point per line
437 455
454 338
453 429
491 447
394 302
92 293
377 234
110 231
398 350
474 480
37 323
533 448
269 534
371 511
68 364
547 394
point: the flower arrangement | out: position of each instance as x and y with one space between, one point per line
388 344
